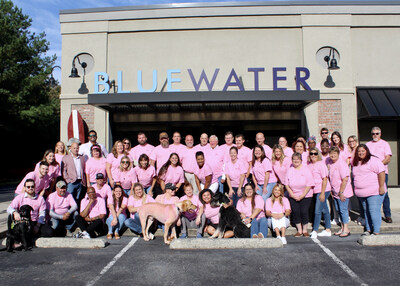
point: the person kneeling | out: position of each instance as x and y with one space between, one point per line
93 211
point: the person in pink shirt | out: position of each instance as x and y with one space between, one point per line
324 148
277 207
102 189
125 175
127 146
235 171
339 177
192 219
146 174
225 148
91 216
169 197
215 159
381 149
299 182
324 135
369 187
203 146
260 139
204 175
280 164
262 169
160 154
40 177
114 160
117 205
352 143
60 151
311 142
95 164
171 172
176 146
299 146
321 192
54 169
62 210
188 160
286 149
142 148
244 153
211 213
344 150
38 204
251 208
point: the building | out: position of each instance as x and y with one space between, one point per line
245 67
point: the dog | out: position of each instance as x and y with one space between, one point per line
229 217
166 214
20 231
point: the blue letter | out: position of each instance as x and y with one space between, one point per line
104 78
203 76
235 83
256 71
302 80
139 82
119 83
275 78
170 80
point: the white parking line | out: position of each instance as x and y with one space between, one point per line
340 263
113 261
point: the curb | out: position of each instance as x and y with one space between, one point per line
380 240
198 243
68 242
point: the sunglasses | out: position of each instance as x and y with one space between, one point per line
92 135
125 162
127 143
29 187
376 133
313 154
324 132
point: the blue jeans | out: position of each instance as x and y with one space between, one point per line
343 210
220 185
134 224
372 212
386 201
147 189
118 226
75 189
127 191
259 191
68 224
321 208
259 225
235 196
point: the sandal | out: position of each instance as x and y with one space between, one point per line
338 233
109 236
306 234
345 234
298 234
116 235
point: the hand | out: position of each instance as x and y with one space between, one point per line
111 182
150 193
247 175
231 192
17 217
222 181
114 222
342 198
239 192
322 197
277 216
242 216
382 190
198 220
88 219
247 220
179 223
66 216
265 191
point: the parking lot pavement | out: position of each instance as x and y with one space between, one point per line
136 262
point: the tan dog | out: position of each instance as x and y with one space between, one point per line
166 214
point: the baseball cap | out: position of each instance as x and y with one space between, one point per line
61 184
163 135
99 176
170 186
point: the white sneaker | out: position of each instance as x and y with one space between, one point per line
283 240
325 233
151 236
333 222
85 234
280 238
314 234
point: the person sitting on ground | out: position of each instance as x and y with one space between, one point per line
169 195
62 210
92 213
191 219
116 204
101 188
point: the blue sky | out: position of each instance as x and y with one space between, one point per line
45 16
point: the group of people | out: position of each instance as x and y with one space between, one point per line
266 185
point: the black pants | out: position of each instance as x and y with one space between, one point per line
90 227
300 210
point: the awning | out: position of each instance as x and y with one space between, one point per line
378 103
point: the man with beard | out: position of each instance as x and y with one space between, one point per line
160 154
188 160
142 148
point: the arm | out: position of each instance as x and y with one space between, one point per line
323 187
114 214
266 179
153 163
249 169
162 185
228 181
150 193
85 212
241 181
381 180
199 214
87 180
208 182
198 183
108 170
290 191
342 187
387 159
303 195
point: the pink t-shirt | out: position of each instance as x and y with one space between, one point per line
94 166
60 205
337 172
115 162
304 157
245 206
277 208
319 145
211 213
288 152
160 155
225 151
162 199
366 177
104 192
319 172
380 149
38 205
203 172
136 203
280 170
215 159
110 201
235 170
141 149
205 149
195 200
126 179
54 171
97 208
268 151
188 159
59 158
344 154
174 175
40 183
325 158
259 170
145 176
299 179
245 154
177 149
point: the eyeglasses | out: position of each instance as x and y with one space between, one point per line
92 135
125 162
313 154
30 187
376 133
324 132
127 143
